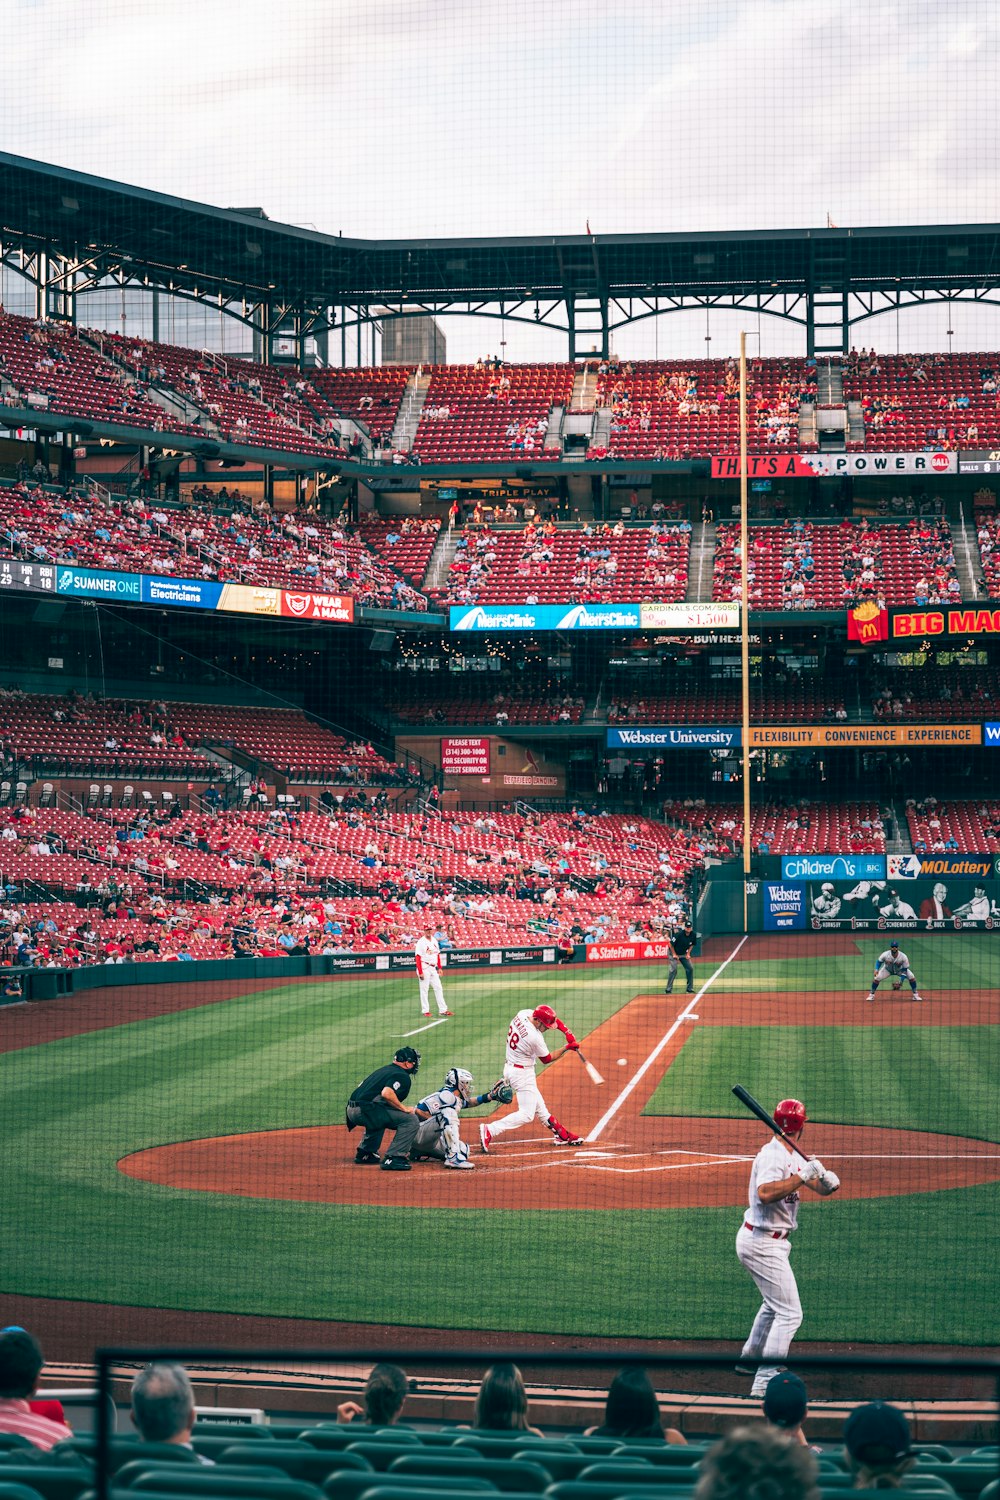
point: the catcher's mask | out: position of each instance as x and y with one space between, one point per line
459 1079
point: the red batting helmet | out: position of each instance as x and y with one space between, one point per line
790 1114
543 1015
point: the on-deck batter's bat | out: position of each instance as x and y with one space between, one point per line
764 1117
594 1075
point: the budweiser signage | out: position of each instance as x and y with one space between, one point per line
336 609
605 953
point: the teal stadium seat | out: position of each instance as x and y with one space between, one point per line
18 1492
240 1432
676 1481
169 1477
665 1455
991 1492
54 1481
15 1440
505 1444
506 1474
298 1460
380 1454
635 1472
205 1483
351 1485
967 1476
123 1450
561 1463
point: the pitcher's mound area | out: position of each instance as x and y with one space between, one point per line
666 1162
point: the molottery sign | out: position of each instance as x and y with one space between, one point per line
940 866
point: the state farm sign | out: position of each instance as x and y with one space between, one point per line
604 953
465 757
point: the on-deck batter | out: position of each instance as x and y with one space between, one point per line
763 1244
526 1044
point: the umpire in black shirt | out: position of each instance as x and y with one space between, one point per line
378 1105
682 941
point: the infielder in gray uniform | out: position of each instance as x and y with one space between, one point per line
893 964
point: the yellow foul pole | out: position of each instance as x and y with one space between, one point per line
744 622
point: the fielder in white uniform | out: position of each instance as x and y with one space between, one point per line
526 1045
439 1134
428 956
893 964
762 1243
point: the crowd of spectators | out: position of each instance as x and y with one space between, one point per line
766 1456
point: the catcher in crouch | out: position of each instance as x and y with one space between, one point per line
438 1135
526 1045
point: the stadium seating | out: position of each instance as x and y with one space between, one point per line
485 415
918 401
803 828
904 555
973 827
550 565
370 395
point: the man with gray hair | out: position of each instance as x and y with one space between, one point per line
163 1405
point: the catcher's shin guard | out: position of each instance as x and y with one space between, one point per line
564 1136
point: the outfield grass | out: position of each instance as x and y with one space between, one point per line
941 961
74 1227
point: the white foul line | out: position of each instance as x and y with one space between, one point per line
685 1015
419 1029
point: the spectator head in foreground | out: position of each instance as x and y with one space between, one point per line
632 1409
21 1363
877 1439
385 1392
785 1404
163 1404
502 1402
757 1463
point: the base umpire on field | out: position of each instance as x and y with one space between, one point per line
378 1103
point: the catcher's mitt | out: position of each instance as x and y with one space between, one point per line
502 1092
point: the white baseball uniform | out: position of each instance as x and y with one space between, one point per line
428 956
763 1246
525 1045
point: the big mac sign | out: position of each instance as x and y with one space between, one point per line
871 626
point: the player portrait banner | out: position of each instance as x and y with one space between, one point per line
829 465
903 905
466 757
870 626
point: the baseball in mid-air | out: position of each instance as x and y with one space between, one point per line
622 1061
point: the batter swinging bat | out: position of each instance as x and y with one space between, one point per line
594 1075
762 1115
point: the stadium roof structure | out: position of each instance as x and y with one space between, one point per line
69 232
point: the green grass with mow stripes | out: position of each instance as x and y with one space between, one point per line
74 1227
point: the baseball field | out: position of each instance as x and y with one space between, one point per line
182 1149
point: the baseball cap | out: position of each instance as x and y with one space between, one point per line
785 1400
877 1433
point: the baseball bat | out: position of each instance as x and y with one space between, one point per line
758 1109
594 1075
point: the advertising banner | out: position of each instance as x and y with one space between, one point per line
872 626
249 599
784 907
991 733
903 905
602 953
874 736
533 779
503 617
833 867
826 465
87 583
466 757
452 958
334 609
25 575
689 617
675 737
190 593
940 866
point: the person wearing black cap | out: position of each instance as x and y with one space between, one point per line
786 1404
378 1103
877 1440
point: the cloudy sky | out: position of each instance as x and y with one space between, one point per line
396 118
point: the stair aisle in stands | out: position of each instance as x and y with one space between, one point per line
700 575
408 416
441 559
